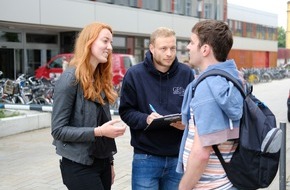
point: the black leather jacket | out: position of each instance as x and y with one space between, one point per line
74 119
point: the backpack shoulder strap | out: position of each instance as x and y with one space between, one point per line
219 72
229 77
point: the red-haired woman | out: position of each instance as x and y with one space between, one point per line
82 127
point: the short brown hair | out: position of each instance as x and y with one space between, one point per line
216 34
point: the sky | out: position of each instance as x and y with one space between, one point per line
273 6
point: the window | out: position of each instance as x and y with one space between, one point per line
133 3
41 38
181 51
57 63
249 28
10 37
238 28
119 41
179 6
122 2
151 5
188 8
208 10
106 1
272 33
165 6
127 62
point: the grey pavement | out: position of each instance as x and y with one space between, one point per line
28 160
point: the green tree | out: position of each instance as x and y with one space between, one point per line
281 37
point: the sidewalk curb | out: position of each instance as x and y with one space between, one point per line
32 117
28 121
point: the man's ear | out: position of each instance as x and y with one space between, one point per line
206 49
151 47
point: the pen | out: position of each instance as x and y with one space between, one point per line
152 108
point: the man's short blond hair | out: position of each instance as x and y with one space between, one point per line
161 32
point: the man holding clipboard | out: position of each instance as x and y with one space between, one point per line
165 121
159 80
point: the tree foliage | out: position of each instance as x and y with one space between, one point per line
281 37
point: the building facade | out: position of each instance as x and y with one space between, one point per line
35 30
255 42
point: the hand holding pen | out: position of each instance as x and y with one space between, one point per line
152 108
153 115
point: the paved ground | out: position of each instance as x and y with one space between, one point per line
28 160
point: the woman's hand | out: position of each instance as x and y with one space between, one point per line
110 129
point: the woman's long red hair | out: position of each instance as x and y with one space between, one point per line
93 82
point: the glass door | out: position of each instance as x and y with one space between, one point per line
11 62
18 62
33 60
37 58
7 62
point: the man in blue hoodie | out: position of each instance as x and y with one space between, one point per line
160 81
213 115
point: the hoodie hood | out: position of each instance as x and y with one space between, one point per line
148 63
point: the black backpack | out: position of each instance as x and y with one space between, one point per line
255 162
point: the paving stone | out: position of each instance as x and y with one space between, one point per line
28 160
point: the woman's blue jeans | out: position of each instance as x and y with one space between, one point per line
154 172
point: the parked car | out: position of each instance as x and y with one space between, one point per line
121 63
53 68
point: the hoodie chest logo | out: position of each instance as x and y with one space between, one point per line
178 91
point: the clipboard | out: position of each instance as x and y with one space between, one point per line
163 121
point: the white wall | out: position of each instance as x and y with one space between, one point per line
255 44
20 11
124 20
66 12
78 13
236 12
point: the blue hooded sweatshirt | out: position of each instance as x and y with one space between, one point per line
217 107
142 85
